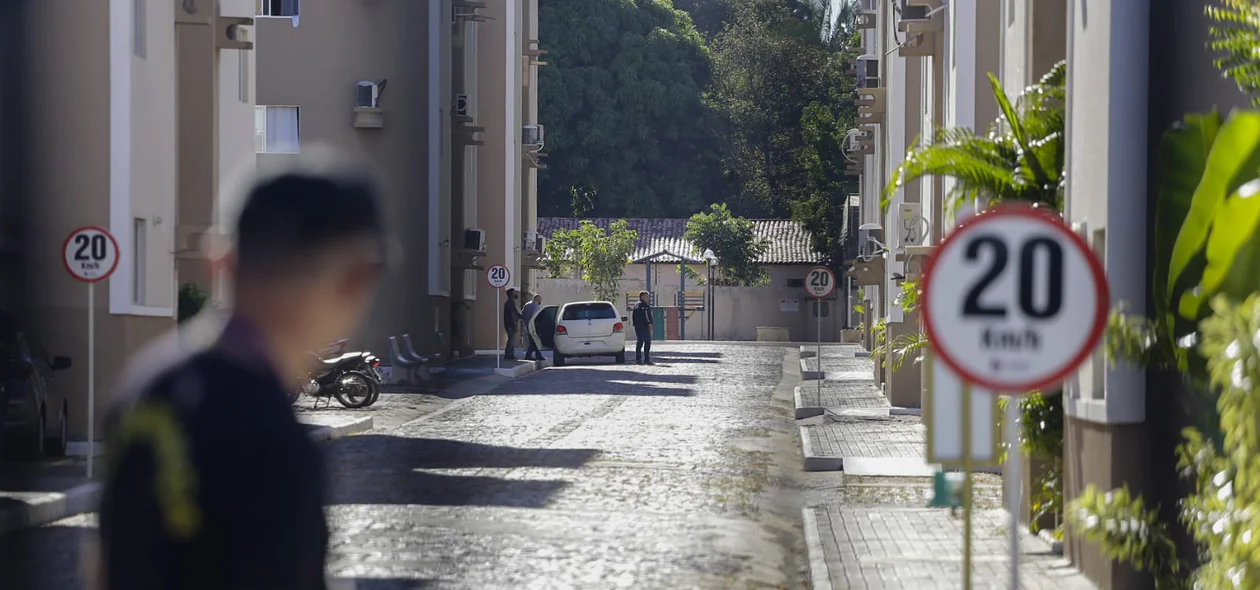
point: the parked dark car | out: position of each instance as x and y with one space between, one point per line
33 424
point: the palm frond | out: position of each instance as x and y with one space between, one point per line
906 346
1235 37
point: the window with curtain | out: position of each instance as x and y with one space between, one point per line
287 8
276 130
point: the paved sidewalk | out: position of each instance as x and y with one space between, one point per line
857 547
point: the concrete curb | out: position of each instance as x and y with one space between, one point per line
808 352
1056 546
522 369
815 462
333 432
808 375
77 500
819 573
803 409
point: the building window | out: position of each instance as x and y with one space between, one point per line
139 11
286 8
242 67
139 247
276 130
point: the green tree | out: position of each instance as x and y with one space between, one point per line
775 61
599 257
622 96
709 16
734 241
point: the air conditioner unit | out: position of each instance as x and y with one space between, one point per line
530 243
475 239
461 105
911 13
540 244
867 67
532 136
367 95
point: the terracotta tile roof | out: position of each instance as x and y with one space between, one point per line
789 242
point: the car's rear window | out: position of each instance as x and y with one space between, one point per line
590 311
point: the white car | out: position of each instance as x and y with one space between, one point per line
580 328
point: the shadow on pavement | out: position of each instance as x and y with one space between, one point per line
602 381
357 480
44 558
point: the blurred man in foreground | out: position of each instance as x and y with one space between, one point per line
210 480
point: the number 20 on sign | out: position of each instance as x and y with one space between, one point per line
1014 301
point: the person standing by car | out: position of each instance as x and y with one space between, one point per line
195 427
532 353
642 330
511 319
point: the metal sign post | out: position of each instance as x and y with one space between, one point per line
498 276
1013 330
90 255
820 282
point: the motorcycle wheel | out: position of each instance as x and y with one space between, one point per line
356 390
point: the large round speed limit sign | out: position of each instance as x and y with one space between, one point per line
498 276
90 254
1014 301
820 282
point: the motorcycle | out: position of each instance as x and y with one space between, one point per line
352 378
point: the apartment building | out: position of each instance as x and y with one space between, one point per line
1123 91
135 109
435 94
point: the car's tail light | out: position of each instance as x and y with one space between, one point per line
619 327
561 329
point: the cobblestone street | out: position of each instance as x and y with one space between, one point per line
594 475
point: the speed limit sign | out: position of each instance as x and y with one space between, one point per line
820 282
1014 301
498 276
90 254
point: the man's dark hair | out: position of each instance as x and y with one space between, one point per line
289 219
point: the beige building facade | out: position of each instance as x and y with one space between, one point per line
437 95
1124 90
135 112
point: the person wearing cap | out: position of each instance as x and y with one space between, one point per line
511 319
210 480
642 321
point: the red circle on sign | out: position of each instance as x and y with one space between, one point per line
1096 271
66 246
507 277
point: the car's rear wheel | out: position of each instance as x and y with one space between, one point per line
621 358
55 444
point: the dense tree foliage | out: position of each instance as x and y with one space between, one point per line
623 99
651 115
597 256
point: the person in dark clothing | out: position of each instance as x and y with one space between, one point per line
642 321
511 319
210 480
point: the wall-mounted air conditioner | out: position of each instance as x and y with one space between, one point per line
461 105
530 242
532 136
475 239
868 71
367 94
911 13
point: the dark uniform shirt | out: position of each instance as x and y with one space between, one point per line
510 315
642 314
212 483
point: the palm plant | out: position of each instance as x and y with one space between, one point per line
1020 159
